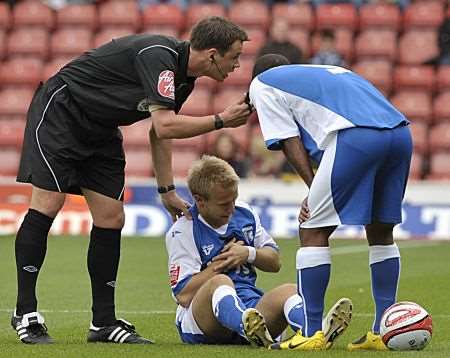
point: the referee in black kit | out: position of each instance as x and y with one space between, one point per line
73 145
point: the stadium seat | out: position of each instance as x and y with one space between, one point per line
108 34
21 71
28 42
414 77
336 15
301 38
5 16
376 43
241 76
33 13
119 13
77 16
164 15
182 161
196 144
417 46
161 30
379 16
443 78
198 103
419 132
136 136
344 43
378 72
225 97
250 14
439 166
440 137
257 40
14 102
53 66
10 158
2 44
297 15
11 132
138 163
416 168
441 107
415 105
70 42
423 14
196 12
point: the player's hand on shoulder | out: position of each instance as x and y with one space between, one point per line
304 211
236 114
175 205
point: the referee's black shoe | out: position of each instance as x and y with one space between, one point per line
30 328
121 332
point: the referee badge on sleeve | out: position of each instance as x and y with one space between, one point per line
166 84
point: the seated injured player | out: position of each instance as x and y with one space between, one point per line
213 260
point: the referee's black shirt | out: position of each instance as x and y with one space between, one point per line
115 83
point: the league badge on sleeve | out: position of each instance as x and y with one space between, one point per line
174 273
166 84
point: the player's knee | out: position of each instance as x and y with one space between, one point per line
380 234
220 280
114 219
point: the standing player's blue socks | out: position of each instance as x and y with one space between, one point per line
313 275
293 312
228 308
385 269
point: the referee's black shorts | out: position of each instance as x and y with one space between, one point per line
64 151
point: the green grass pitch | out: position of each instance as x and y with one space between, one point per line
143 297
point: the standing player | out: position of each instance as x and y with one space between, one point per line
73 145
363 146
212 262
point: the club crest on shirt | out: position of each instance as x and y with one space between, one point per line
166 84
248 233
207 249
174 273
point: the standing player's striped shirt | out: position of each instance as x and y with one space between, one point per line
313 101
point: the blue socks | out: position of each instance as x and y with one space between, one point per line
384 263
293 312
313 274
228 308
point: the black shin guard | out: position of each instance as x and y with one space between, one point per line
103 262
30 247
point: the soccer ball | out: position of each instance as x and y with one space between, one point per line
406 326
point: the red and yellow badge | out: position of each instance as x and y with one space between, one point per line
166 84
174 273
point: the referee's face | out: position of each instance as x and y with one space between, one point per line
219 207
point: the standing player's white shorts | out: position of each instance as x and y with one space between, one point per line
361 178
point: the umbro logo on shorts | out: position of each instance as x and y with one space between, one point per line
30 268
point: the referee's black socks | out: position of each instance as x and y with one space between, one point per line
30 247
103 262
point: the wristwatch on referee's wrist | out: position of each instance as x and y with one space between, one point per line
218 122
165 189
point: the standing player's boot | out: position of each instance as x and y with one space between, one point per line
31 328
255 328
337 320
121 332
369 341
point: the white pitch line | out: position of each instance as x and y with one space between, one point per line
162 312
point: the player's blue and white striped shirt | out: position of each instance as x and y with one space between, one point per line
313 101
191 245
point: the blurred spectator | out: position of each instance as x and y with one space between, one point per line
10 2
327 53
444 45
264 162
279 42
225 147
59 4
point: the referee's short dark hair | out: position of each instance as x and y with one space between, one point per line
265 62
216 32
